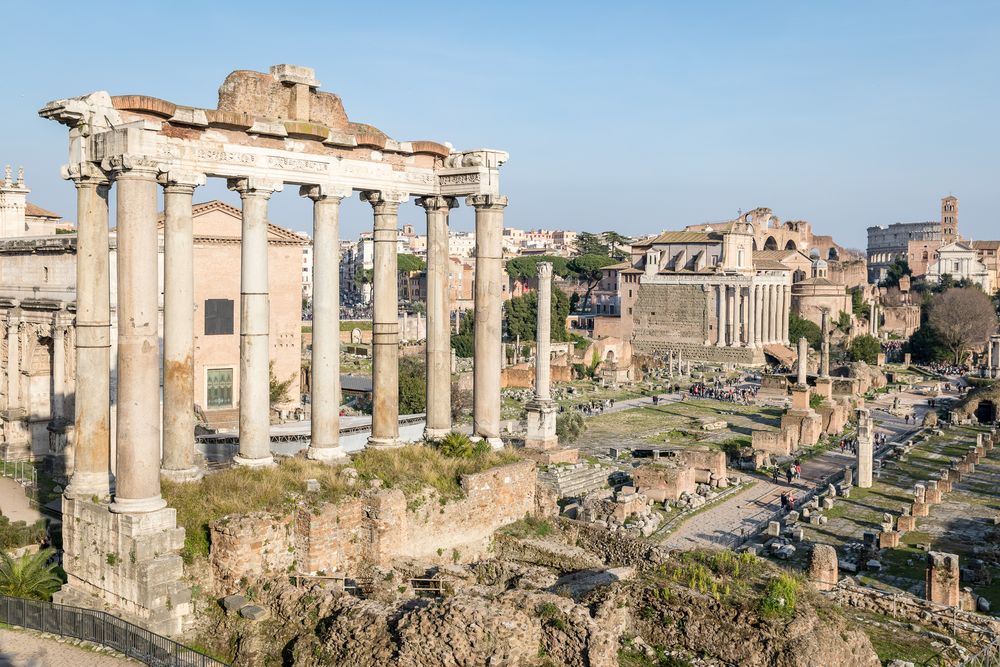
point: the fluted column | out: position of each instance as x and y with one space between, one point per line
751 315
137 486
723 300
489 304
385 320
92 401
543 334
255 347
178 327
14 359
58 369
766 315
324 442
758 310
775 307
786 295
438 342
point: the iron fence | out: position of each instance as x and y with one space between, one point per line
988 657
104 629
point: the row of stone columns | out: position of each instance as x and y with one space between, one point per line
752 315
139 462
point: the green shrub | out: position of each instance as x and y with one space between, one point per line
569 426
458 445
30 576
779 597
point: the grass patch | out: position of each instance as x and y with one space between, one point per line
529 527
779 597
279 488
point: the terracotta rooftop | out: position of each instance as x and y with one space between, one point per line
681 237
33 211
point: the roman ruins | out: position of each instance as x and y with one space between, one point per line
542 409
866 446
268 130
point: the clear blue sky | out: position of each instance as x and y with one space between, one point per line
627 116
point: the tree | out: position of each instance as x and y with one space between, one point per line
926 346
963 317
864 348
799 327
588 243
896 270
844 322
588 268
526 267
858 302
569 426
617 245
406 263
522 316
412 386
30 576
277 389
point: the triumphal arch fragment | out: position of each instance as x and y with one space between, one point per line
269 130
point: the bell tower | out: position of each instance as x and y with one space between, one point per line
949 219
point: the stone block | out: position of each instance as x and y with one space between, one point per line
827 503
920 509
234 602
823 567
254 613
792 516
888 539
906 522
873 565
773 528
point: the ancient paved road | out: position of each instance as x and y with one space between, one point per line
724 522
23 648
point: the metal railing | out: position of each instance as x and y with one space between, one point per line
25 473
104 629
988 657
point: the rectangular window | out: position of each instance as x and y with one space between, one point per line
218 317
219 388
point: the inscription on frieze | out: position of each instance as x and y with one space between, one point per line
281 162
221 155
460 179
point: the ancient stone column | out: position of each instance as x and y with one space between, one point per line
92 401
488 325
324 443
438 344
385 320
723 315
766 315
13 359
872 328
785 306
751 316
758 300
178 327
58 369
866 448
825 354
255 345
734 317
137 487
823 567
803 361
542 410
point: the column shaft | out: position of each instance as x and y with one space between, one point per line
385 321
758 310
438 342
255 349
178 331
783 315
13 359
138 435
487 326
58 370
723 300
766 315
543 333
325 390
92 413
751 315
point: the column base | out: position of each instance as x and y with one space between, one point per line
192 474
137 505
87 485
384 443
326 454
435 433
262 462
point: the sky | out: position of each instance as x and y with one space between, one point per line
629 116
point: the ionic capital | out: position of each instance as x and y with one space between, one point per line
436 203
494 202
181 181
138 166
384 201
254 186
85 174
325 191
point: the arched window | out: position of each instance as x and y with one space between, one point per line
770 244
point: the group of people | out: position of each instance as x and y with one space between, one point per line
591 408
792 472
730 392
948 369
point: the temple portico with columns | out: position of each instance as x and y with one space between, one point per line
268 130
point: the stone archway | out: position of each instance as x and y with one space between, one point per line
986 411
790 245
770 243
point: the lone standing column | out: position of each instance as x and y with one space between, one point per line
803 361
488 325
385 320
542 409
92 453
138 436
824 361
178 327
255 348
438 343
324 443
866 448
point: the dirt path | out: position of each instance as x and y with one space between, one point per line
24 648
